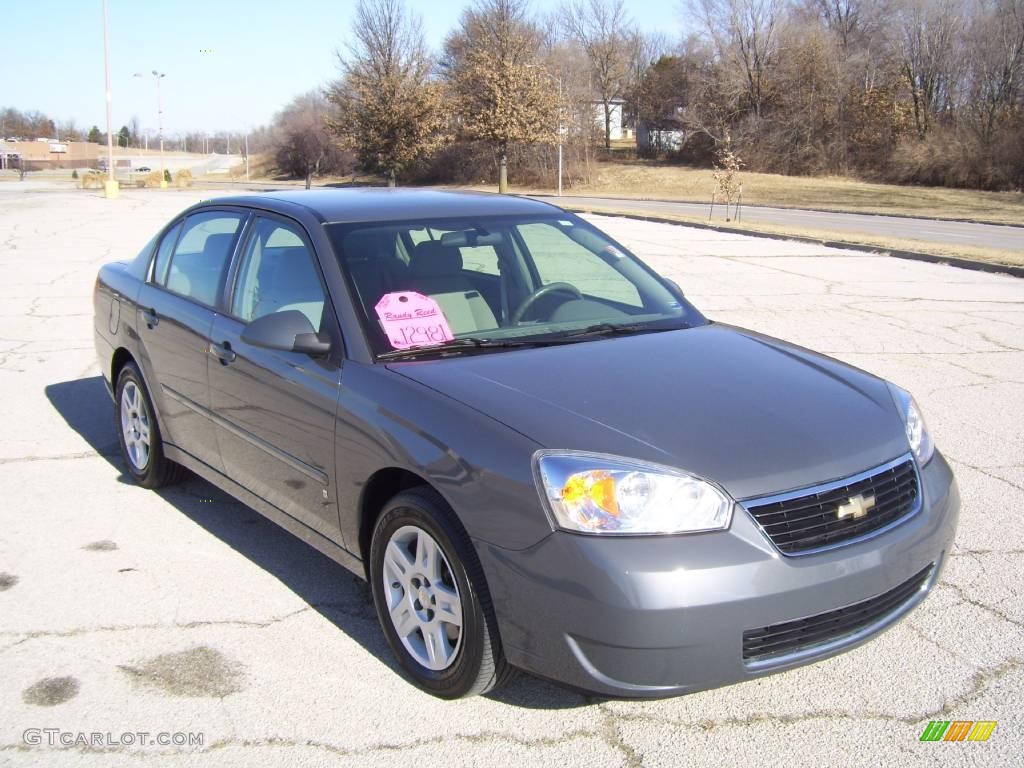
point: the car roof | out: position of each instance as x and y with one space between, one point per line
365 204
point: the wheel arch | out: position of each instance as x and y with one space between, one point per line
120 358
383 485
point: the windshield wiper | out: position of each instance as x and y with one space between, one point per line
614 329
471 343
460 345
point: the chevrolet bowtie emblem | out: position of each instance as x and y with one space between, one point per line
856 507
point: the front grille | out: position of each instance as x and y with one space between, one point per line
808 521
802 634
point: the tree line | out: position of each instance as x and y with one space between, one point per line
926 91
913 91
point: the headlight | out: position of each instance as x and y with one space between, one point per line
594 493
917 432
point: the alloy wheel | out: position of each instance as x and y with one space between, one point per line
135 425
423 599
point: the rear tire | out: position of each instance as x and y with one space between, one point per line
432 600
138 433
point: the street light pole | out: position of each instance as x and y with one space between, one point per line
158 76
247 156
559 136
160 126
110 187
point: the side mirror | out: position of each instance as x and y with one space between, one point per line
675 288
288 331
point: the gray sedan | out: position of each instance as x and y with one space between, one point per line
537 451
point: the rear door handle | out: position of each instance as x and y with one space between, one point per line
223 352
150 318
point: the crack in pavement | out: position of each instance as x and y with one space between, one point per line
981 681
483 737
965 597
982 470
612 736
345 609
60 457
607 730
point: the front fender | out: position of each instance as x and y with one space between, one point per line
480 466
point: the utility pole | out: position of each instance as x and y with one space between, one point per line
560 138
246 156
110 186
158 76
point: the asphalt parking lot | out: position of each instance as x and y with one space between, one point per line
125 611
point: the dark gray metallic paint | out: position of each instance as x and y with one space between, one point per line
753 414
626 616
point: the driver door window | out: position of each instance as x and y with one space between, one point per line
278 274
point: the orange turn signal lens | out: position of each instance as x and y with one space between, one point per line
597 487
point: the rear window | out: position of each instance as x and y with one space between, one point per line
201 256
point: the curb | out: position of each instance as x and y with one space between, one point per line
953 261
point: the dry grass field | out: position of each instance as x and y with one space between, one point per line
832 193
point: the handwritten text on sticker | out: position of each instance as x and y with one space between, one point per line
411 319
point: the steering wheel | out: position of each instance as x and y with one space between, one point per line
544 290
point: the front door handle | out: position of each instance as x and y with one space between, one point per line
223 352
149 316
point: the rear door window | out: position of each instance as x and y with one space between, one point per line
202 254
163 255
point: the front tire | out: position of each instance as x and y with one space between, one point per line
431 598
138 433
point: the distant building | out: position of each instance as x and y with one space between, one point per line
664 133
657 138
9 158
615 115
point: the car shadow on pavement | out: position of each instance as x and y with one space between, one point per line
335 593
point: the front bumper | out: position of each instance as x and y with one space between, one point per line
660 616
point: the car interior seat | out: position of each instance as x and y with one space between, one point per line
373 265
436 271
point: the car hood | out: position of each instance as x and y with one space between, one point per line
750 412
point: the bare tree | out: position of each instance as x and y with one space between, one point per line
135 137
842 17
390 111
503 93
925 40
645 50
996 65
605 32
303 146
746 37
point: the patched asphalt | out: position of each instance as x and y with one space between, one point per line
125 611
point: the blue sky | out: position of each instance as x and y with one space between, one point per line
230 64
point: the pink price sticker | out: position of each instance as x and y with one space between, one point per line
411 319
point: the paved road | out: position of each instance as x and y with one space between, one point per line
124 610
948 232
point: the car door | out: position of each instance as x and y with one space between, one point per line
176 308
276 409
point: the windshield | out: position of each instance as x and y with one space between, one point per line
503 280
